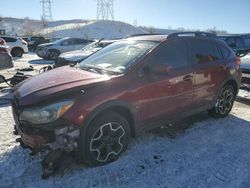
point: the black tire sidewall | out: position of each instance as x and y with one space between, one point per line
86 136
17 52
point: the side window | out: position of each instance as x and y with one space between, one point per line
224 51
80 41
217 52
172 53
202 51
68 42
9 39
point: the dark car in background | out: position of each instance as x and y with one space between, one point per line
239 43
54 49
129 86
74 57
34 41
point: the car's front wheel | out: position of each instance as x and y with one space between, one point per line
224 102
107 137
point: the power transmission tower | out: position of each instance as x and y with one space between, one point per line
47 13
105 10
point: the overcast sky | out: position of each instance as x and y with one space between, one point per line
230 15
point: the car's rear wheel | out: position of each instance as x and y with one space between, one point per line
53 54
107 137
224 102
17 52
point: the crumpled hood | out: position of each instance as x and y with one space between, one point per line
57 80
78 54
74 55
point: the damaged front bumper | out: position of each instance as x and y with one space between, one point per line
57 135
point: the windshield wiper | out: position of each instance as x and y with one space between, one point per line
91 69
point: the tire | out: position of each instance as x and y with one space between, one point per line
17 52
224 102
53 54
106 138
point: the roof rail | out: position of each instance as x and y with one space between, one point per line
142 34
196 34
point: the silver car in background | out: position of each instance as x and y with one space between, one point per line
54 49
74 57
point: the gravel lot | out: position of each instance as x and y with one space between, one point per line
196 152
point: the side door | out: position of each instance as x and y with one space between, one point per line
208 68
165 93
67 45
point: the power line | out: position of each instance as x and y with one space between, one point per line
47 13
105 10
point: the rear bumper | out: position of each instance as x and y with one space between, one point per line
5 61
25 49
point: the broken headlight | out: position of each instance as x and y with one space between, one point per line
45 114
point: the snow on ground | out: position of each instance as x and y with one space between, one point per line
93 30
196 152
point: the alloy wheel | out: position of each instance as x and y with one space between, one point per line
225 102
107 142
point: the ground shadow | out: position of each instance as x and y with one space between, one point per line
41 62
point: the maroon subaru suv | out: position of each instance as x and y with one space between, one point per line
135 84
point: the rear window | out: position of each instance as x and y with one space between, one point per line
9 39
202 51
224 51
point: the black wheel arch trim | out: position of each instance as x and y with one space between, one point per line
99 109
17 48
229 79
106 106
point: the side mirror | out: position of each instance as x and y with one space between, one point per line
159 69
2 79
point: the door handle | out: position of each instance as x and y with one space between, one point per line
222 68
187 77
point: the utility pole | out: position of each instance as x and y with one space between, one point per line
105 10
47 13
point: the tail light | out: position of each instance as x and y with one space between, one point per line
238 61
2 42
3 50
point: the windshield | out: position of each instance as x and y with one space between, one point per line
90 46
59 41
119 56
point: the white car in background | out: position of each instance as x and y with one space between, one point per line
17 46
245 64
